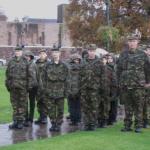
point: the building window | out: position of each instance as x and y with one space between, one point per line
9 38
43 38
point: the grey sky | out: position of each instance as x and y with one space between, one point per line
31 8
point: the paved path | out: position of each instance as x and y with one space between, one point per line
32 133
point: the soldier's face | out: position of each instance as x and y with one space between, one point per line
91 53
56 55
104 61
133 44
43 55
18 53
110 59
77 61
28 58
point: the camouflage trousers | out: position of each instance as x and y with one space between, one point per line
89 101
55 108
31 104
103 109
113 110
74 108
18 100
146 111
41 104
134 101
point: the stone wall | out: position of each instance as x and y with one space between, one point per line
13 33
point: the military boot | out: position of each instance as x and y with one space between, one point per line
138 130
52 128
86 128
104 123
146 124
20 125
126 129
92 127
57 128
13 125
44 120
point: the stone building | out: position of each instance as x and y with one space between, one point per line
35 31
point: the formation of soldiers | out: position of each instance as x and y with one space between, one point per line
90 84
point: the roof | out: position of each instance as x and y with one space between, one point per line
39 20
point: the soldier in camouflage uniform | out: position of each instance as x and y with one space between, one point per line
40 93
33 83
104 100
54 85
131 73
146 108
73 89
17 85
90 82
113 89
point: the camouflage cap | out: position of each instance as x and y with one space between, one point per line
55 48
28 53
42 50
75 56
92 47
18 48
133 37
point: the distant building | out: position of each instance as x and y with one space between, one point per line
39 20
61 13
35 31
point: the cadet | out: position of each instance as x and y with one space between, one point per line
113 89
131 73
104 99
54 84
90 82
146 108
40 93
33 83
73 89
17 85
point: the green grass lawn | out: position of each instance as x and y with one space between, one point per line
5 106
101 139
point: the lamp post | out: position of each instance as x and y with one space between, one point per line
107 3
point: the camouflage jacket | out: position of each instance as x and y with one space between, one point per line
92 74
40 64
32 75
17 74
108 80
55 77
133 69
73 79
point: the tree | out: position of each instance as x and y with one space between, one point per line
87 18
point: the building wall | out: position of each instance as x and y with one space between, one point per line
13 33
51 33
3 32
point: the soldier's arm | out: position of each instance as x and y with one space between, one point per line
66 71
147 69
7 75
119 69
32 76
